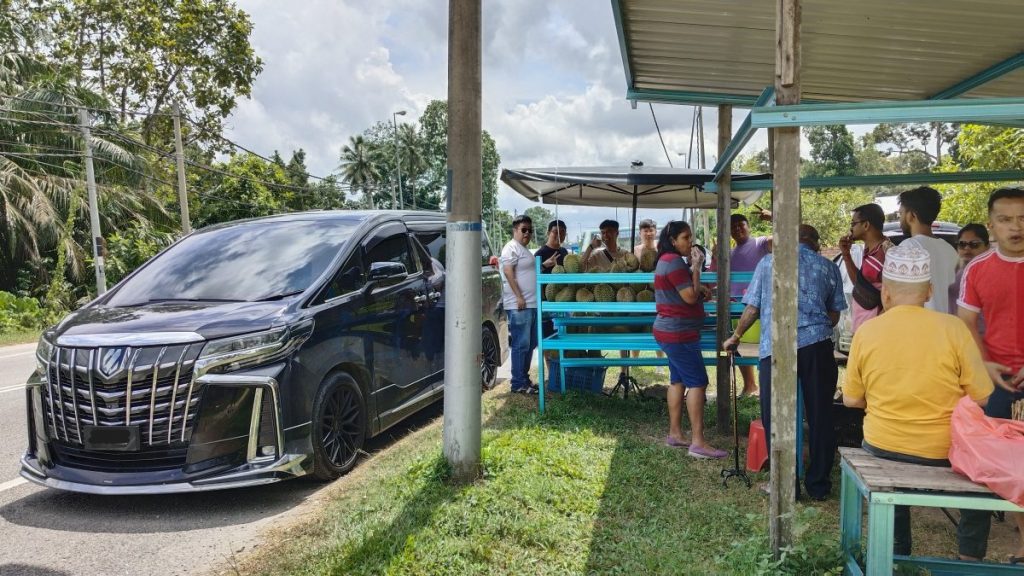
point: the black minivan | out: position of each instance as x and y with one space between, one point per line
250 352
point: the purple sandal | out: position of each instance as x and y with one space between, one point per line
673 443
707 453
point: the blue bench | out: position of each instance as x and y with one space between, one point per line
885 484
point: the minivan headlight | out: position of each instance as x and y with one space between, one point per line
247 350
44 350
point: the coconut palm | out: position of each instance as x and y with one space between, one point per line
358 167
413 158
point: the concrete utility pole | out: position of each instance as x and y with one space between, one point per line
462 380
179 152
785 286
723 374
398 163
94 211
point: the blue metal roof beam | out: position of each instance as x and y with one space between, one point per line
985 76
980 111
690 98
881 180
742 136
620 29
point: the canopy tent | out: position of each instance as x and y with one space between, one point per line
630 186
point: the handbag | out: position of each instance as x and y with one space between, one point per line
865 293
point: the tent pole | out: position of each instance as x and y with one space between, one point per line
632 230
724 268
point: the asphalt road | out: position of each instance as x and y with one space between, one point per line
46 532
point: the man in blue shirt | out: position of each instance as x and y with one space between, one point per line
818 306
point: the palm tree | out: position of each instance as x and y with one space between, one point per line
414 160
358 167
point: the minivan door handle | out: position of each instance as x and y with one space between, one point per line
435 296
421 299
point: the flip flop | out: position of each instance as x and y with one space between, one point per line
673 443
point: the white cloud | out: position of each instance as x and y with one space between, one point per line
553 82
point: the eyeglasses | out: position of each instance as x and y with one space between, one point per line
970 244
526 230
855 222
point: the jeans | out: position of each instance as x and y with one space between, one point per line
522 335
971 531
817 371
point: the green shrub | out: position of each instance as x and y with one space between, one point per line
18 314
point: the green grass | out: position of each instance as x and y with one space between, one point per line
588 488
20 337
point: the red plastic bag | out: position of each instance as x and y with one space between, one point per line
988 450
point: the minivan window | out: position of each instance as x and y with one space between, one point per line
435 244
393 249
244 262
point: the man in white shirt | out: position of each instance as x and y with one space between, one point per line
519 296
918 209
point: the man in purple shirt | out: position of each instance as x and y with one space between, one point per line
744 258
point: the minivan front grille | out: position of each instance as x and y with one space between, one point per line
150 387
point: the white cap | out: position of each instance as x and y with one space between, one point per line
909 264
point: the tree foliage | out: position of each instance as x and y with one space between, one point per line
149 54
980 148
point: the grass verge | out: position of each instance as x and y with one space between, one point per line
21 337
588 488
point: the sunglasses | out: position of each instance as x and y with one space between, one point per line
970 244
526 230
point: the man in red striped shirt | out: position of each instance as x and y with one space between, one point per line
866 225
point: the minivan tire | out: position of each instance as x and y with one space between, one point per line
338 426
490 354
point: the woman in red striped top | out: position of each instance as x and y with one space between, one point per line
678 299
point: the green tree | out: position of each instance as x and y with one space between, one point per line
148 54
910 143
251 187
540 216
359 169
832 151
980 148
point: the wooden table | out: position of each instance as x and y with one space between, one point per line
885 484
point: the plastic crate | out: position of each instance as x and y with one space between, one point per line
585 379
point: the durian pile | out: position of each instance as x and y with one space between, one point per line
640 292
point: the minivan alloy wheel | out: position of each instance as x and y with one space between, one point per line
491 358
339 426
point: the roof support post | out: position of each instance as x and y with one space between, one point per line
743 135
724 327
786 206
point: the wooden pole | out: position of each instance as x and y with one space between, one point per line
462 332
785 286
724 321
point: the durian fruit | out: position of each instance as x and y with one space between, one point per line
584 295
558 269
648 260
638 288
604 293
566 294
551 291
625 294
645 296
571 263
618 266
631 262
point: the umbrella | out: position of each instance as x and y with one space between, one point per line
634 186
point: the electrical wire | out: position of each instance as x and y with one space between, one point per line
117 111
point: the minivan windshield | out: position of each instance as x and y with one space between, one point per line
252 261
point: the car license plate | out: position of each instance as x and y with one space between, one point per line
113 438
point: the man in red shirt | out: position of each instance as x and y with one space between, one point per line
993 286
866 225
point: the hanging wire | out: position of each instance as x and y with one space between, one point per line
662 140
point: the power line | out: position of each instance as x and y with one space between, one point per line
240 147
117 111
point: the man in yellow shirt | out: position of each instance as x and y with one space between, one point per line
908 368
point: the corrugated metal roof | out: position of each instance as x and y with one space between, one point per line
852 50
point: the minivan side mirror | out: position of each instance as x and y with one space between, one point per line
385 273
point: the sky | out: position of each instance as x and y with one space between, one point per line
553 86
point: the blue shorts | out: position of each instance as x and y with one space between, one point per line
685 364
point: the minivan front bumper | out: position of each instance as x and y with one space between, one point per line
238 441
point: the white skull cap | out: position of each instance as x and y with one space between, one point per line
907 263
